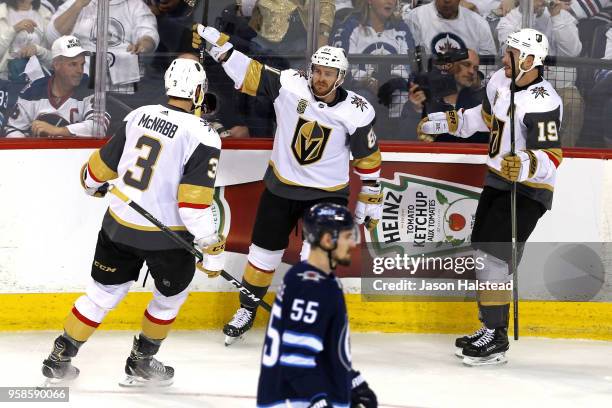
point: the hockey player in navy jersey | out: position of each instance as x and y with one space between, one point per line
537 120
320 125
306 358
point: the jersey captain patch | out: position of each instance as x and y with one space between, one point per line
309 140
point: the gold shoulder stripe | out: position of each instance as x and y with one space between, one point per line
190 193
100 170
252 78
369 162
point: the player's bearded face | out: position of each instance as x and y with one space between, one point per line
323 79
508 62
346 242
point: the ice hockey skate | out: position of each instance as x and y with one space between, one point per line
462 342
489 349
58 368
236 328
143 370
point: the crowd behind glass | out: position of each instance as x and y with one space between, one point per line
408 58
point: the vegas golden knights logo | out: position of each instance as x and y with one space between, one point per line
309 140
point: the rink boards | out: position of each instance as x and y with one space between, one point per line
49 226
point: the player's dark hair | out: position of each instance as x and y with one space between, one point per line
13 4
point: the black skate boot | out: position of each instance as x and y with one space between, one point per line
241 322
489 349
58 367
463 342
142 369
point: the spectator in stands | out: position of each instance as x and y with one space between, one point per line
132 30
280 24
375 29
588 8
560 28
174 23
60 105
596 129
22 30
443 24
470 93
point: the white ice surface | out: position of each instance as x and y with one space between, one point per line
405 370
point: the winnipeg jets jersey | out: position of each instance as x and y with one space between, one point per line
437 34
306 351
537 121
313 140
36 102
164 159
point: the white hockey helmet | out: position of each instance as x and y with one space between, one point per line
328 56
182 79
529 42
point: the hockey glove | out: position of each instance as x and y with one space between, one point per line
519 167
438 123
98 190
320 401
216 42
361 393
369 206
213 249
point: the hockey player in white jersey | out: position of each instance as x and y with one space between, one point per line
537 120
166 158
319 126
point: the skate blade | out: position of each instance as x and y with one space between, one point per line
459 352
493 359
132 381
229 340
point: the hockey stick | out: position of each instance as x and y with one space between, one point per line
513 266
183 243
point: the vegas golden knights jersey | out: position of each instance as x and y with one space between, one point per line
314 140
537 121
165 159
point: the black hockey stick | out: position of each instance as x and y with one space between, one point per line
513 265
183 243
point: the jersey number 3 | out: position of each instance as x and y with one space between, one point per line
146 163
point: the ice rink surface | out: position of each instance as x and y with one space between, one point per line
405 370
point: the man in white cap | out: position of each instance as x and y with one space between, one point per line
60 105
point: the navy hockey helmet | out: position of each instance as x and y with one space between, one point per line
327 218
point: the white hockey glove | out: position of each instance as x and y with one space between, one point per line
519 167
213 249
217 43
369 206
92 187
438 123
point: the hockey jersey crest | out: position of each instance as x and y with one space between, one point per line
314 140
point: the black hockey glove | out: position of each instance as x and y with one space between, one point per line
361 394
385 91
320 401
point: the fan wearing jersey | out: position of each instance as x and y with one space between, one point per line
166 157
537 120
306 358
319 126
60 105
